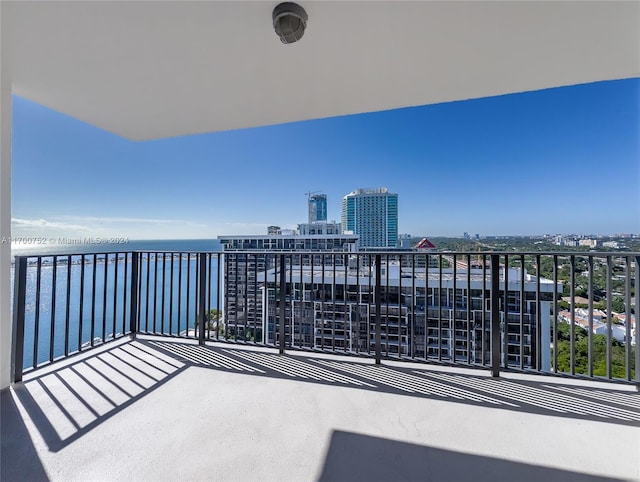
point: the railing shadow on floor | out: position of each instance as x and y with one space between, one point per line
544 397
67 401
70 398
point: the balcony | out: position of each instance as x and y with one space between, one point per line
157 408
127 353
217 402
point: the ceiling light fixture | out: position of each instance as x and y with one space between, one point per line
289 22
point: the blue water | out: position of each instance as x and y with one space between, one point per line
93 319
177 245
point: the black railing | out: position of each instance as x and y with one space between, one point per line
569 314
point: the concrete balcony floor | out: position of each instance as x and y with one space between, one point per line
167 409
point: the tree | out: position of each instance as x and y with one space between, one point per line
617 304
599 353
213 321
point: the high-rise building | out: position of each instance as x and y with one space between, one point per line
317 208
243 292
372 214
435 313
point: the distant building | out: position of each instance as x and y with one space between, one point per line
565 241
424 313
372 214
317 208
313 229
611 244
243 295
590 243
404 241
598 327
424 243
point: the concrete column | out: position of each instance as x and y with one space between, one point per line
5 212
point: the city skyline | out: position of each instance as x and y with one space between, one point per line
561 160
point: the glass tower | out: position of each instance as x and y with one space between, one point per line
317 208
372 214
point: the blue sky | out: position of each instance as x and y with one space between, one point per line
563 160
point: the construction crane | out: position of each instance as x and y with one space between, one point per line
311 193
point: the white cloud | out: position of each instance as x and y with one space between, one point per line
70 226
91 220
38 225
109 227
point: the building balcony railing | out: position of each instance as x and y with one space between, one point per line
66 304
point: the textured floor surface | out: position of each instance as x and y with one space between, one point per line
159 409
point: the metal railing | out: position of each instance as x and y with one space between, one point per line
568 314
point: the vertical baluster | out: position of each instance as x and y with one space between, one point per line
105 283
609 308
180 296
37 311
134 310
67 308
495 315
52 333
523 301
115 294
627 321
201 290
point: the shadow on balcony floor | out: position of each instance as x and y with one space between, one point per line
71 399
16 450
87 392
519 393
379 459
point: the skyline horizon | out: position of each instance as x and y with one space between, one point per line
26 241
548 161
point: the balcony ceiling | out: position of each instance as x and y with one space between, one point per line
147 70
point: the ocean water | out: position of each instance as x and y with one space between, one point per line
42 246
91 300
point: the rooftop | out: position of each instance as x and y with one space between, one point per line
431 277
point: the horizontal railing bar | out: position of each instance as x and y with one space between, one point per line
614 254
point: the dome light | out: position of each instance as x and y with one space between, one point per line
289 22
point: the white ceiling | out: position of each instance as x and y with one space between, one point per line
148 70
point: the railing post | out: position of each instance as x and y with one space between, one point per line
202 291
281 304
376 291
133 311
637 317
627 305
495 315
19 293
